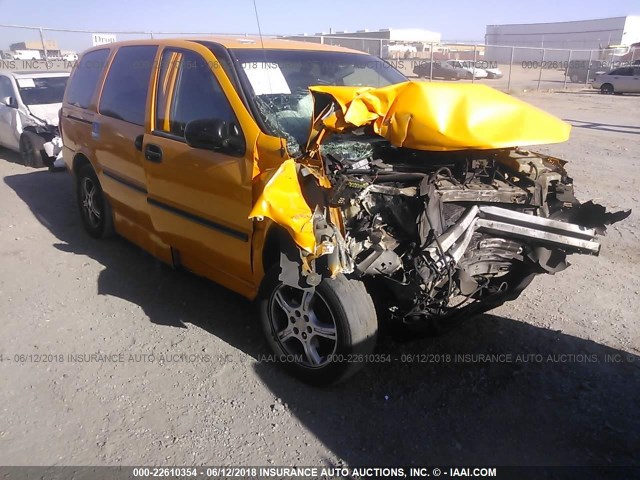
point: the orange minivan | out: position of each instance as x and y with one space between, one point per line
323 183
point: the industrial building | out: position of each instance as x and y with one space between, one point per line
387 43
51 45
595 34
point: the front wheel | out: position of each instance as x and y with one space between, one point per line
320 336
30 155
606 89
95 210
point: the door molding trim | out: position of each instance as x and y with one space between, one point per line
232 232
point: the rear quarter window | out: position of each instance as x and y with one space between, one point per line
85 77
124 95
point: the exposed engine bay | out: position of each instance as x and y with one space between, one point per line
432 228
443 230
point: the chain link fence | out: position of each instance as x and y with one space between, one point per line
507 68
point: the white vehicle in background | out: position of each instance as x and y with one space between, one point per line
27 55
70 56
29 107
620 80
493 72
468 67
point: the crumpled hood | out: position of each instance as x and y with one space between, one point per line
435 116
47 112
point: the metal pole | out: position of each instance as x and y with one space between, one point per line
44 47
321 39
540 75
588 68
431 63
566 70
381 47
475 59
510 67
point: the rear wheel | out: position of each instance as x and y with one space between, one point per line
31 156
95 210
320 336
606 89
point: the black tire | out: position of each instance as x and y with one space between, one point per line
606 89
95 210
339 304
31 156
574 78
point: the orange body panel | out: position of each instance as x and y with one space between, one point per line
213 192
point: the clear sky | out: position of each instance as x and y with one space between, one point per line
456 20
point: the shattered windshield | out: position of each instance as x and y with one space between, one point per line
280 80
42 91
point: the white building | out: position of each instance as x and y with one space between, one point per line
377 42
577 35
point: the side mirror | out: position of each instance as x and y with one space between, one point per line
9 102
214 134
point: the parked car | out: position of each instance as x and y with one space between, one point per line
619 81
322 183
581 71
29 105
494 73
441 70
470 71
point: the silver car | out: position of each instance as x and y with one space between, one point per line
619 81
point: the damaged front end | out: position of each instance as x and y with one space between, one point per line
48 136
420 191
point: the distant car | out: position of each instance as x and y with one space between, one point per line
620 80
29 106
70 57
468 68
581 71
439 70
493 72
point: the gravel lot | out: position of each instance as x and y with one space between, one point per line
571 398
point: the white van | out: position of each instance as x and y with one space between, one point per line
27 55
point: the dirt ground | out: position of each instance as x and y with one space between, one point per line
176 375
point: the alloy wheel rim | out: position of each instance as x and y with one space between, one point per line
90 205
303 325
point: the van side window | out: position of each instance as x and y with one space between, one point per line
124 95
85 77
188 90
